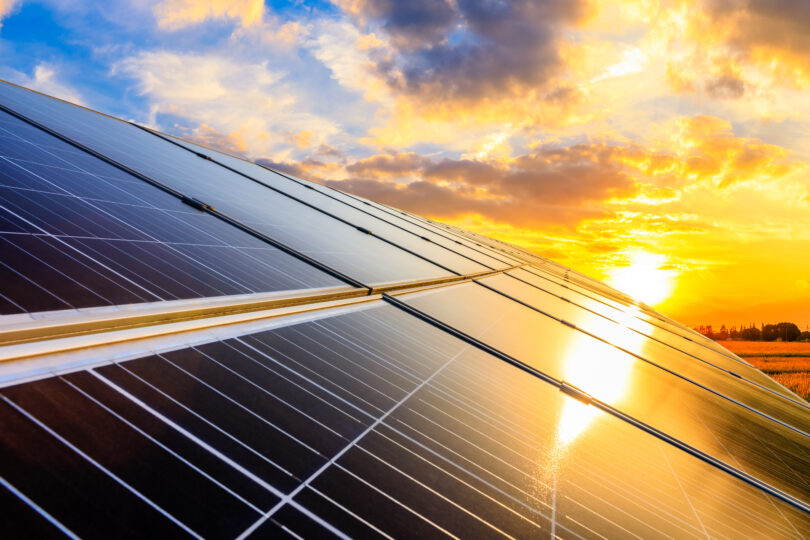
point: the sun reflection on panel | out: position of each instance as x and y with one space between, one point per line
602 371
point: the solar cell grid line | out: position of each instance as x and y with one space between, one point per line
95 467
453 262
342 451
263 212
167 189
644 395
82 255
337 206
771 405
694 350
183 491
23 517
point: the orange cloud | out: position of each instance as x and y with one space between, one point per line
176 14
6 7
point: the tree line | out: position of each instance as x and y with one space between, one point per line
783 331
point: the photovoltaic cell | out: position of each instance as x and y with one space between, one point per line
457 257
668 403
341 247
425 224
376 423
76 232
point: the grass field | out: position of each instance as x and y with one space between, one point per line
788 363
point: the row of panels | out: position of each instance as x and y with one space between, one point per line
359 243
696 403
371 423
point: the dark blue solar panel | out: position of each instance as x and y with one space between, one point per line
76 232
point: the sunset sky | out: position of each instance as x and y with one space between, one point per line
662 146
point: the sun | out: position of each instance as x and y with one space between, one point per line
645 278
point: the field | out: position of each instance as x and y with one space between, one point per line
788 363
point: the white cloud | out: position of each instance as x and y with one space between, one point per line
248 103
46 80
347 53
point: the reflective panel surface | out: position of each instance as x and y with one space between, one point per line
76 232
457 257
673 405
369 423
340 246
657 353
661 333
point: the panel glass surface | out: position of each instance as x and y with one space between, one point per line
630 310
338 245
688 346
76 232
370 423
693 368
446 230
456 257
679 408
439 235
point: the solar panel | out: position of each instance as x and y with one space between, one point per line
341 246
632 311
172 369
458 257
712 372
77 233
664 334
676 405
363 424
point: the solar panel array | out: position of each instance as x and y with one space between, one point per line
195 345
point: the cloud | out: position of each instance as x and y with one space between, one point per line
640 190
6 7
411 25
46 79
176 14
218 94
350 55
734 48
476 61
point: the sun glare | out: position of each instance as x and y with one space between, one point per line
644 278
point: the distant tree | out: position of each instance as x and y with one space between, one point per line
788 331
722 335
751 334
770 332
734 334
804 336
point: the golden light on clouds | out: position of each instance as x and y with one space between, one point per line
175 14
